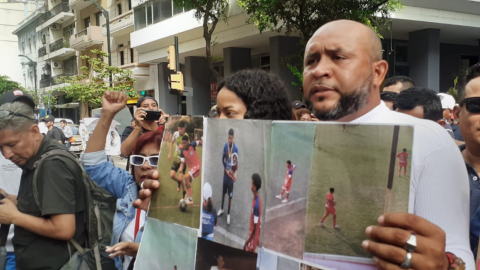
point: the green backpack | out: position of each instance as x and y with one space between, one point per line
99 212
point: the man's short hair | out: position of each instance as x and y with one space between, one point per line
230 132
16 123
181 124
289 162
406 82
63 121
185 138
472 73
428 99
332 190
388 96
257 181
143 98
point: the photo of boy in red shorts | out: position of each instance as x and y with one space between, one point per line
189 157
330 209
402 162
288 182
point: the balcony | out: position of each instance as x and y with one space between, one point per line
58 14
120 25
78 4
59 50
42 52
53 81
31 18
87 38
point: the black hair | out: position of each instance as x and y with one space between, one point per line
63 121
332 190
404 149
230 132
257 181
185 138
212 113
428 99
263 93
181 124
388 96
472 73
210 205
406 82
289 162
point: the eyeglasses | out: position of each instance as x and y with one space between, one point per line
472 104
138 160
4 114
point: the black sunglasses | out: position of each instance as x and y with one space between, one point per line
472 104
4 114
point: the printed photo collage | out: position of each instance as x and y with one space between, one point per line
244 194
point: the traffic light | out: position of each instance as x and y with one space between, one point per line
171 58
176 82
143 93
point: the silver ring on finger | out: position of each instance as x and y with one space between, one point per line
407 263
141 185
411 244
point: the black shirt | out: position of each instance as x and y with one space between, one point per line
55 134
61 191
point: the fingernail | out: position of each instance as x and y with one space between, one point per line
117 248
365 244
375 259
368 230
381 220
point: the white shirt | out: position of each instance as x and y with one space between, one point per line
43 128
67 130
439 187
10 176
129 234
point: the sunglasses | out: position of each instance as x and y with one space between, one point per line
4 114
472 104
137 160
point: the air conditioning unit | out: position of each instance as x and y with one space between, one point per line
57 65
55 27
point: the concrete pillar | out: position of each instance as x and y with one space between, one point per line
424 58
166 101
235 59
281 49
197 76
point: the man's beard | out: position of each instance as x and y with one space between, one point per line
348 104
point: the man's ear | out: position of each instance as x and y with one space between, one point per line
456 113
442 123
380 69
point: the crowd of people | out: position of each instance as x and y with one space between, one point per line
343 79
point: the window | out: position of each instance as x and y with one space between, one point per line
132 56
98 19
119 9
29 45
129 4
140 18
153 12
467 61
122 59
87 22
265 63
23 47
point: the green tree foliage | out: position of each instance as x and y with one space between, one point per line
89 86
48 99
304 17
6 84
210 12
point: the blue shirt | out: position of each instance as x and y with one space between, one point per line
229 163
456 133
208 221
121 185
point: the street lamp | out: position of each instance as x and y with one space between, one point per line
34 64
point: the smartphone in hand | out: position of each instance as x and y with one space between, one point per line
152 115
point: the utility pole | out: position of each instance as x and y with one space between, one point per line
107 19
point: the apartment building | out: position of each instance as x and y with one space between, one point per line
431 41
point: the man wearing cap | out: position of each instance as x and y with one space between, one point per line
448 103
53 132
130 134
10 174
297 105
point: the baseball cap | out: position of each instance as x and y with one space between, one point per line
142 99
448 102
207 191
297 104
48 118
17 95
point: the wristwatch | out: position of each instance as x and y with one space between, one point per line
454 262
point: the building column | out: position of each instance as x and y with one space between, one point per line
281 48
197 76
424 58
166 101
235 59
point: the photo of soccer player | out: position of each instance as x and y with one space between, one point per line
402 162
330 209
288 182
230 164
228 167
214 256
355 184
186 154
209 214
253 239
166 245
177 143
284 216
